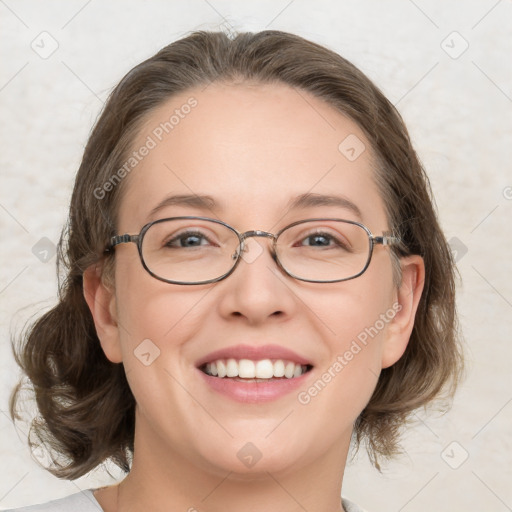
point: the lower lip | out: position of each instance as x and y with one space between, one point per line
254 392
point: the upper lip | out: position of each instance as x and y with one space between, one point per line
255 353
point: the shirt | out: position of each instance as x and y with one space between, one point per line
86 502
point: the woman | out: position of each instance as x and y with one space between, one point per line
255 276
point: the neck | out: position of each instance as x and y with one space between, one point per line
162 479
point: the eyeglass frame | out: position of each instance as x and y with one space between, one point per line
386 239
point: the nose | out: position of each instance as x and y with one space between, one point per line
257 291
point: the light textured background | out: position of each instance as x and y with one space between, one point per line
459 112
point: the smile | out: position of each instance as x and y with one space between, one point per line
262 370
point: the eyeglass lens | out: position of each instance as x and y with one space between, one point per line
196 250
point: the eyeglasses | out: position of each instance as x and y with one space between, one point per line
199 250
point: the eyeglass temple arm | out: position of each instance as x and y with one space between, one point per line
386 239
122 239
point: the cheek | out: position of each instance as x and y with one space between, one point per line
153 314
356 310
156 323
353 318
344 383
145 305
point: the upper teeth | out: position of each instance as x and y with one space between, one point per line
247 369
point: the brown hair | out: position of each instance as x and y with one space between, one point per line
86 408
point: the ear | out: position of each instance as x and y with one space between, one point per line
407 298
102 303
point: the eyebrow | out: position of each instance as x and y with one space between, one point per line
311 200
301 202
190 200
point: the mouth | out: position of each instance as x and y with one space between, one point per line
248 370
252 374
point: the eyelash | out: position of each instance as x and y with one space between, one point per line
198 234
186 234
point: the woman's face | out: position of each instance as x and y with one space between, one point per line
253 149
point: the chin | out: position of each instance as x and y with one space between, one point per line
253 460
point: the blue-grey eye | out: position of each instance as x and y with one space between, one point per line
318 240
190 239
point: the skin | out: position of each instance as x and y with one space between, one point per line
253 148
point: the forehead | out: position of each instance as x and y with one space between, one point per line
254 148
